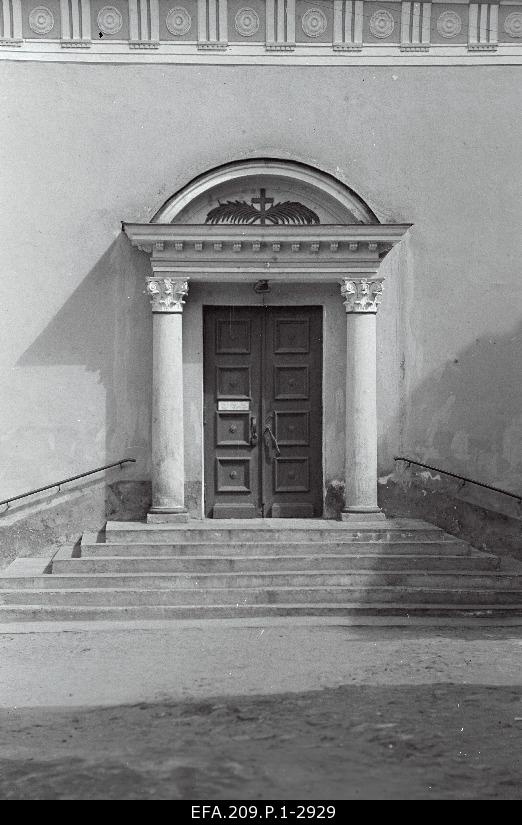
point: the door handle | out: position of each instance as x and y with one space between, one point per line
268 430
253 431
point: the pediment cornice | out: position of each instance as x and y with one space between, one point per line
203 252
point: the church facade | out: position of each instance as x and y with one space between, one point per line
263 249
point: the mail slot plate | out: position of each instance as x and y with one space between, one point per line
233 406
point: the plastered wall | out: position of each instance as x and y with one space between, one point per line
84 147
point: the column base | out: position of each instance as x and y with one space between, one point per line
358 516
167 517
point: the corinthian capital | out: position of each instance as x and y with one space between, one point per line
166 294
361 294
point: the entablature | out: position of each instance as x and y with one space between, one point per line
246 253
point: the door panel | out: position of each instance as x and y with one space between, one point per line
292 400
233 382
233 429
291 335
233 475
233 335
232 376
291 383
263 416
292 429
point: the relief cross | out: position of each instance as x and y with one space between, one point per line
262 201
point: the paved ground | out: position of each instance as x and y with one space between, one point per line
220 711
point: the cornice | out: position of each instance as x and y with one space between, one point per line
208 253
196 241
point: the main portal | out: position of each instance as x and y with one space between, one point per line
263 411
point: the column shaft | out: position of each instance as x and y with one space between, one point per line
168 471
168 459
362 298
361 414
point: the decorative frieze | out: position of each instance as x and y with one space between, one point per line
415 27
166 294
361 294
334 31
365 250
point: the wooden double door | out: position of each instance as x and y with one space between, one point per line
263 412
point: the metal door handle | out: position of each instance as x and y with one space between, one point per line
268 430
253 431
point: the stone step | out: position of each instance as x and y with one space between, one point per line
155 564
257 549
277 594
145 534
252 564
166 581
360 612
298 578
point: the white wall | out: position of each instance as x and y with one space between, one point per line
84 146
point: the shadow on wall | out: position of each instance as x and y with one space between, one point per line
105 327
470 413
465 418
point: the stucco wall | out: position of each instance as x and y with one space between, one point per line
83 147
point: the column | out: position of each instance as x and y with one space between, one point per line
362 297
168 465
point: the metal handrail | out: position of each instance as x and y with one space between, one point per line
464 479
58 484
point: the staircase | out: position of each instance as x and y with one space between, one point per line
260 569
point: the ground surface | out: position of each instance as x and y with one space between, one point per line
217 712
